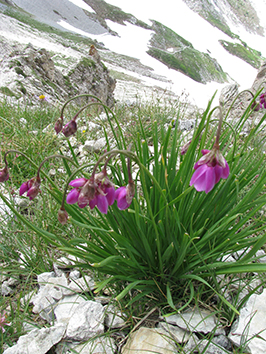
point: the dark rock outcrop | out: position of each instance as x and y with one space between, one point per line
32 72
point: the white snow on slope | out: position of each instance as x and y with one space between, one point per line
133 41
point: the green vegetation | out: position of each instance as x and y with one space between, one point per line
105 11
242 51
186 59
7 92
167 248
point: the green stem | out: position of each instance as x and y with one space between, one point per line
73 98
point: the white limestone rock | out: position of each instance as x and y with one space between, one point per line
47 297
178 334
66 307
149 340
250 328
80 285
113 317
194 321
86 321
38 341
99 345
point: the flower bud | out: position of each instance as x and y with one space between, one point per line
70 128
4 176
185 147
62 216
58 125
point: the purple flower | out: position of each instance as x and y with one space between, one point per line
124 196
98 191
210 168
3 322
58 125
4 176
32 187
185 147
102 203
263 100
70 128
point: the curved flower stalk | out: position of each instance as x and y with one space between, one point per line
71 127
32 186
211 167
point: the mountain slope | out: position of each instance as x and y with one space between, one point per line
168 35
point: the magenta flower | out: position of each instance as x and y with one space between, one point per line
263 100
209 170
3 322
70 128
31 187
102 203
4 176
58 125
124 196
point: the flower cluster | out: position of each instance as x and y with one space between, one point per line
100 192
210 168
32 187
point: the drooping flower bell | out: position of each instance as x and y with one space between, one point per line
4 175
58 125
124 195
70 128
32 187
62 216
210 168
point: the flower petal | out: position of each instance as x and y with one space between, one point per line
218 173
110 195
23 188
122 203
210 179
102 203
198 173
226 171
79 182
72 196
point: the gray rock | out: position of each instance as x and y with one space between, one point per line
250 328
66 307
99 345
207 347
113 317
80 285
47 297
194 321
178 334
99 144
38 341
86 321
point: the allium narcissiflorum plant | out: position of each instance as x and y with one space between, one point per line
169 231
